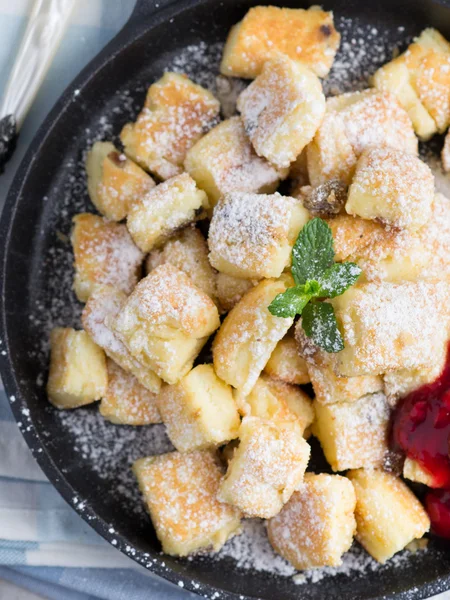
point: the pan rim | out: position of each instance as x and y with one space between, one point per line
37 445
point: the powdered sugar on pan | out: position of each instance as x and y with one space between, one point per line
363 49
356 560
108 450
111 450
199 62
252 551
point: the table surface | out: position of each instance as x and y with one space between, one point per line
93 23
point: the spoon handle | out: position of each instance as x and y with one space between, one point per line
46 26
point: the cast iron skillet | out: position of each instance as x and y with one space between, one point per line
31 251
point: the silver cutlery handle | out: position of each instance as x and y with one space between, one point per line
46 25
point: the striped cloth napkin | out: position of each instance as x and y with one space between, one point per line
37 527
44 545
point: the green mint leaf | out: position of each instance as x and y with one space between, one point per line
289 303
313 251
312 287
338 278
319 323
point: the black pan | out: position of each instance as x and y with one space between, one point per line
35 278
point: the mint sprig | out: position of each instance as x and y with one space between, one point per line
316 277
338 278
313 252
290 303
319 323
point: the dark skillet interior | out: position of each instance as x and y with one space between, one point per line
36 275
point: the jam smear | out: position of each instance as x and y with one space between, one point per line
437 503
421 428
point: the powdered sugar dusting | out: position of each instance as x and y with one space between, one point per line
388 326
126 401
175 116
103 306
363 49
269 104
250 331
252 551
377 120
266 467
356 433
167 298
109 450
401 185
200 62
181 492
248 231
232 164
318 524
104 255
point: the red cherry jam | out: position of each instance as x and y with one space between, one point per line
421 428
437 503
